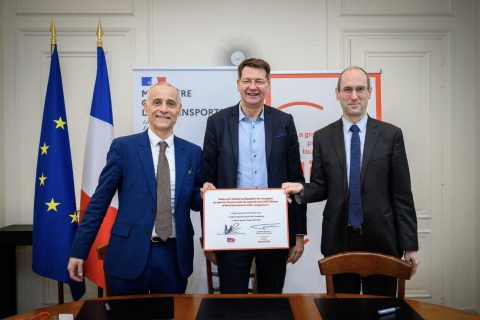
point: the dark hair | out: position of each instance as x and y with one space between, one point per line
254 63
351 68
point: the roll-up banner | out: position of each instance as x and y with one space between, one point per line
309 96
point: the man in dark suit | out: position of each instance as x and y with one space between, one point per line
252 145
158 178
360 167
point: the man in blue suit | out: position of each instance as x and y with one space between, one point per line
151 241
252 145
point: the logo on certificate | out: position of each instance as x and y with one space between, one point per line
230 239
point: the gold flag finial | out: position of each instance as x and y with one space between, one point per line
99 33
53 32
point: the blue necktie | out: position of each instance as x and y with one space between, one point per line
355 214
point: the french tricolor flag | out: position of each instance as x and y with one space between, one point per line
99 138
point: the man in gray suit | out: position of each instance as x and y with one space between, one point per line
360 167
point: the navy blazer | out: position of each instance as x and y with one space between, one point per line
130 170
220 156
389 217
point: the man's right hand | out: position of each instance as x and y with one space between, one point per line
292 187
75 269
206 186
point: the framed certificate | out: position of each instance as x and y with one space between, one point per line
242 219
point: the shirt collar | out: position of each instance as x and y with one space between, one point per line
242 116
154 139
362 124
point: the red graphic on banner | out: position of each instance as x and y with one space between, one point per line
300 103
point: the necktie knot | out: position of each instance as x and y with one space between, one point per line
163 146
354 128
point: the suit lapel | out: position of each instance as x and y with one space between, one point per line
180 166
233 123
371 135
339 142
268 123
145 154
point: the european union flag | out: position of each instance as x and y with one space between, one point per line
55 218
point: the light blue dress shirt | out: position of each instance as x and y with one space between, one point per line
252 163
347 135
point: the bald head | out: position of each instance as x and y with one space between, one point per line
339 83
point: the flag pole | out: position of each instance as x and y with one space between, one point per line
53 40
99 33
99 45
53 43
96 150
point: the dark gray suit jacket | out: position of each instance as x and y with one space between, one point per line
389 222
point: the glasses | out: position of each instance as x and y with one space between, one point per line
348 91
257 82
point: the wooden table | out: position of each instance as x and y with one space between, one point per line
303 306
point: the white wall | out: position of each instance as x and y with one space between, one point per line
426 49
461 211
477 154
2 121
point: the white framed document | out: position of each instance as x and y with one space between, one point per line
244 219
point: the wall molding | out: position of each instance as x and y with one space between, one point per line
113 7
347 34
424 291
395 8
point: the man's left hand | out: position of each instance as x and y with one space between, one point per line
296 251
413 258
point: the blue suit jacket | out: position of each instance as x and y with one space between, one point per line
220 156
130 170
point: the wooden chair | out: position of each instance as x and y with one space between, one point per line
101 252
365 264
211 274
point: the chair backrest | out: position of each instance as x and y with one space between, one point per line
101 252
211 274
365 264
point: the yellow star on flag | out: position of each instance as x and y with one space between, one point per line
52 205
60 123
42 180
74 217
44 148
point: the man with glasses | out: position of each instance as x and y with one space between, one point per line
360 167
252 145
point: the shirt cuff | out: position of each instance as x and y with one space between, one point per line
299 197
